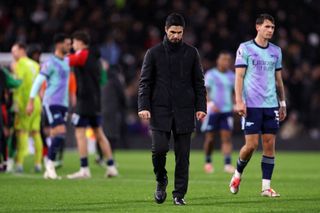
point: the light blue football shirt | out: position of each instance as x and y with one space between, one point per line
220 86
259 86
57 73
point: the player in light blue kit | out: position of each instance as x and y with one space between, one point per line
219 82
258 81
55 71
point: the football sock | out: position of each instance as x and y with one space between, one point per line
241 164
208 159
265 184
267 165
227 159
84 162
61 150
56 143
110 162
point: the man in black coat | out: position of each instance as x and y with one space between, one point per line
171 94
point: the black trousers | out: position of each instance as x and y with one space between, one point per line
160 147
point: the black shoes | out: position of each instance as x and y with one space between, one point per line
160 195
179 201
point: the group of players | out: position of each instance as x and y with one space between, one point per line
85 63
257 62
259 100
56 73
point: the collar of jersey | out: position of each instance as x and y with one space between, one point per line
259 45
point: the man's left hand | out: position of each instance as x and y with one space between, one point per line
200 115
282 113
29 108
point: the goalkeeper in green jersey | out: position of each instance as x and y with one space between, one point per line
25 126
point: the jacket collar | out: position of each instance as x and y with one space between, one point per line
172 47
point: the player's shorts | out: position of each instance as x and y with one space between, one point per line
217 121
85 120
44 119
261 121
22 121
55 115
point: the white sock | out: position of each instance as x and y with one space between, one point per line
86 169
237 174
50 164
265 184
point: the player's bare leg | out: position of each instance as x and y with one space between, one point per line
103 142
208 148
81 141
226 148
107 151
245 154
84 172
57 135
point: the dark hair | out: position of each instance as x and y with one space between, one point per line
59 38
33 48
260 19
21 45
175 19
225 52
82 36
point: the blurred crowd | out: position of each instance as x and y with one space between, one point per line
123 30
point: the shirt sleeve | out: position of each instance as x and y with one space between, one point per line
36 85
279 61
242 57
46 69
232 78
208 79
18 95
79 58
146 82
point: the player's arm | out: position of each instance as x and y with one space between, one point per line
238 87
233 95
280 87
208 82
281 95
11 82
241 65
211 107
78 59
34 91
17 93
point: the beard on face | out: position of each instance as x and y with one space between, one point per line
175 40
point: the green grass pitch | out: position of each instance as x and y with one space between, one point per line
296 178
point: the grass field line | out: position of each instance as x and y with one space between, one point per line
123 178
117 179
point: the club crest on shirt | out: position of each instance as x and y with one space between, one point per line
274 56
